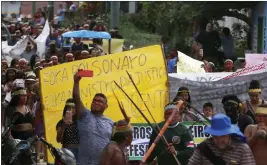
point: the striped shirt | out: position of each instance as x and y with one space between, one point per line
237 154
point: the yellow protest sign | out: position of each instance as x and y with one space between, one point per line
187 64
148 70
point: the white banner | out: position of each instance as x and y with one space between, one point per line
41 40
187 64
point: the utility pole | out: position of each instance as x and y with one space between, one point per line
33 8
50 10
115 14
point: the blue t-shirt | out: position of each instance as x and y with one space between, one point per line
171 65
95 133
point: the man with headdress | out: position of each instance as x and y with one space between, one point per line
226 146
179 138
54 60
69 57
254 92
232 107
228 66
186 112
257 136
115 152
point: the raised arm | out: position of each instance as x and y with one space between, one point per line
76 96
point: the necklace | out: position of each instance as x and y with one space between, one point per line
125 155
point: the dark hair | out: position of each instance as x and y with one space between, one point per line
208 104
16 98
6 76
20 75
102 95
181 89
70 100
226 31
120 136
13 62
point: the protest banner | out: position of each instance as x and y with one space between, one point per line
254 59
142 133
202 92
201 77
148 70
187 64
254 69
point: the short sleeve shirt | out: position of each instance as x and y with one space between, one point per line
95 133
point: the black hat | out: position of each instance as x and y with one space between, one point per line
254 86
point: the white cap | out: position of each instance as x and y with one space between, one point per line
18 83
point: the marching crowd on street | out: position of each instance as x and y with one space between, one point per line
239 136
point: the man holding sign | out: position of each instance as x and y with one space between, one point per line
95 130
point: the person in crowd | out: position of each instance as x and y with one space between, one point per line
69 57
18 112
37 16
257 135
226 146
29 51
211 67
85 54
115 151
186 113
12 28
38 122
18 34
30 81
232 107
98 43
77 46
172 61
210 42
14 63
52 50
228 66
60 14
208 110
4 67
13 40
86 27
100 26
178 136
18 26
93 140
228 44
115 33
54 60
10 77
197 51
67 129
22 64
254 92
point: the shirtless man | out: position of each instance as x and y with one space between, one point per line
257 136
115 151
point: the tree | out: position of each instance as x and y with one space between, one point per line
179 20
